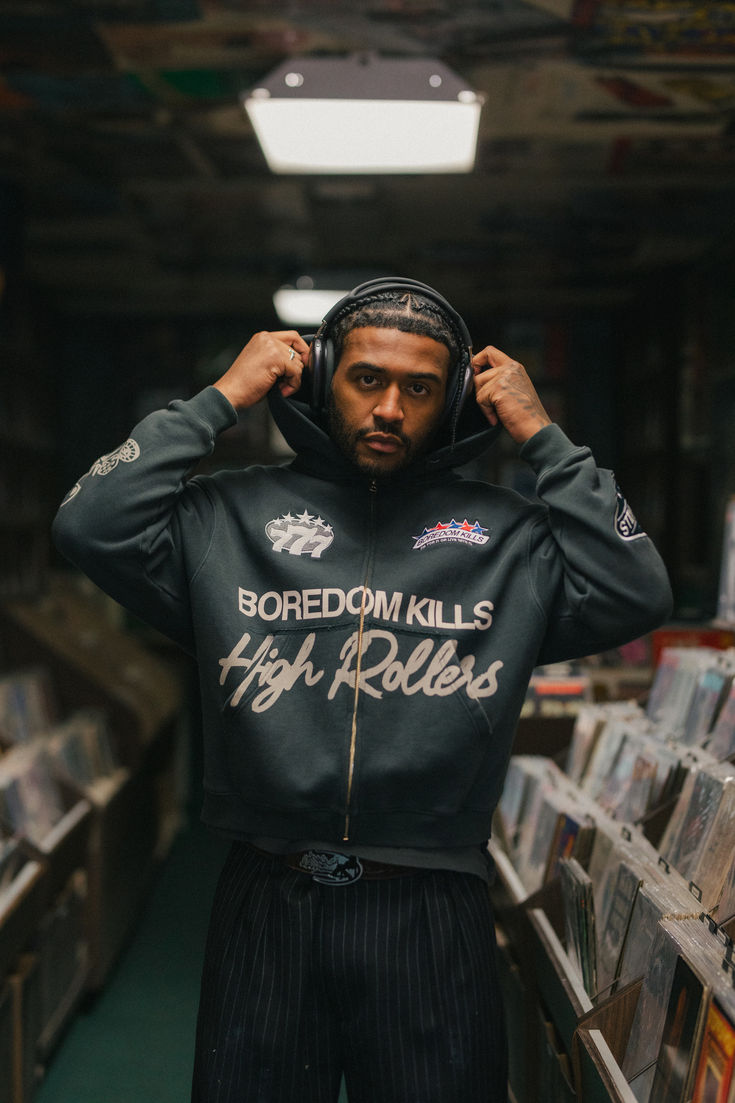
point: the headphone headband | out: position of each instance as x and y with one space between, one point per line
386 285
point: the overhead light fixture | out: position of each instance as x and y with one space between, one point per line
365 114
303 304
304 301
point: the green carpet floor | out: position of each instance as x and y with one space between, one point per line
134 1042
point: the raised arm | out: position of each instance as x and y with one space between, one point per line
134 523
611 583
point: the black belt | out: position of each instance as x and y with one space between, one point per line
330 868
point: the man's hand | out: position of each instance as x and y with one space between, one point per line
267 359
505 394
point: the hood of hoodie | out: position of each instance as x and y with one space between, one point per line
306 433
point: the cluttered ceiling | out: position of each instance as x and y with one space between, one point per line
606 151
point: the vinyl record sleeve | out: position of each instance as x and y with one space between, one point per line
721 743
579 921
671 939
681 1034
713 1077
692 820
614 924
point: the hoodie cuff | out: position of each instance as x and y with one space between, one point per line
211 407
547 448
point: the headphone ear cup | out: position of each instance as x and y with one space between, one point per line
460 391
321 364
465 387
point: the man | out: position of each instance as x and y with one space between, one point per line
365 623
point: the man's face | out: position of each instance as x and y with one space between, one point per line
387 397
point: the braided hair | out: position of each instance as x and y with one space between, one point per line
407 311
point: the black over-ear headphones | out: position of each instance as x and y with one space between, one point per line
322 359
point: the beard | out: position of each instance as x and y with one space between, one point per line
346 438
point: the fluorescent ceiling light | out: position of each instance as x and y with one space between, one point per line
365 114
305 306
305 300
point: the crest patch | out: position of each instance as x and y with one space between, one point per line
302 534
626 524
453 532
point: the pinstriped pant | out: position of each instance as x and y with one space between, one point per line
391 982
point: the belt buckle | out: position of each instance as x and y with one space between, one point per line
328 868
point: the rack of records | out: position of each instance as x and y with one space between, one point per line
44 957
615 897
87 808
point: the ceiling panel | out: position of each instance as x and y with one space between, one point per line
607 149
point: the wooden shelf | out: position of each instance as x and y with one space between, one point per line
542 986
559 984
77 897
123 847
599 1079
599 1047
93 663
64 849
21 907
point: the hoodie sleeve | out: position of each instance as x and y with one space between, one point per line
610 583
123 524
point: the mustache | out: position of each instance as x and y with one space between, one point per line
384 427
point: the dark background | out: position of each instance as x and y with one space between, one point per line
142 235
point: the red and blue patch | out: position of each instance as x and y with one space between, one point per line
452 532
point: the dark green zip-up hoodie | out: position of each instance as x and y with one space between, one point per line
364 649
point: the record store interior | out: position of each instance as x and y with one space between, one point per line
147 231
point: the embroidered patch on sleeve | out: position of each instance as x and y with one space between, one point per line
626 524
126 453
72 493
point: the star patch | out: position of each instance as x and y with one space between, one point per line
452 532
302 534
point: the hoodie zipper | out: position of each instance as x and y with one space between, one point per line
373 489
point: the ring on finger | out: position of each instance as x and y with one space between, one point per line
291 354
